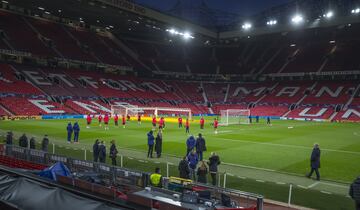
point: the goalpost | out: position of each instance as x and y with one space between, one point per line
234 116
134 110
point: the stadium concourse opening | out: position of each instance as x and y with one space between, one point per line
200 105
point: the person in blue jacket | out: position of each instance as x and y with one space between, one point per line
150 138
70 130
193 161
315 162
190 144
76 129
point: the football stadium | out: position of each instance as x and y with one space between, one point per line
180 104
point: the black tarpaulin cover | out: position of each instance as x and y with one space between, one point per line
27 194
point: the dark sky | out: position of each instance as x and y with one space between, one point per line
242 7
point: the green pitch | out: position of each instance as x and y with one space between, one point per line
285 146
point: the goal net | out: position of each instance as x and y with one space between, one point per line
234 116
150 111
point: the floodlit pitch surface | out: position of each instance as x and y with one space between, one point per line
285 146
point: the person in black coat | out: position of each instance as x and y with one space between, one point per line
150 138
76 129
183 168
45 143
69 130
23 141
213 163
158 144
200 146
102 152
315 162
32 143
113 153
9 138
96 150
355 192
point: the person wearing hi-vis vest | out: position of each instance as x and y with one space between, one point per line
156 178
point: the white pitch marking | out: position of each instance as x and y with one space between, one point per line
302 186
241 177
282 183
258 180
325 192
313 185
290 146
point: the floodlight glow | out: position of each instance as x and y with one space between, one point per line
296 19
41 8
271 22
187 35
329 14
246 26
6 2
355 11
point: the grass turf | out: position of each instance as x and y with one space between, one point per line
275 147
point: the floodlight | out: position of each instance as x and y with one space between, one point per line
329 14
355 11
296 19
246 26
271 22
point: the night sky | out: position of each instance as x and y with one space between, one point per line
241 7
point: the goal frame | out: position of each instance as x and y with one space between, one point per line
226 113
155 109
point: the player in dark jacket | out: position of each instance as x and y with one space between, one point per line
96 150
102 152
190 144
113 153
200 146
70 130
76 129
183 168
23 141
32 143
158 144
45 143
315 162
150 138
355 192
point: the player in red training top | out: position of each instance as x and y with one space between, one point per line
202 122
161 123
100 119
180 122
116 120
139 119
187 125
123 121
154 122
216 124
106 121
88 120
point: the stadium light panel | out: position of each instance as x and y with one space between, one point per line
46 12
297 19
332 42
41 8
355 11
6 2
271 22
329 14
246 26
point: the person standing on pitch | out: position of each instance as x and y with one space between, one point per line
102 152
70 130
158 144
202 123
213 163
139 119
355 192
45 143
150 138
96 150
154 122
116 120
106 121
216 124
180 122
190 144
113 153
88 121
187 125
76 129
257 118
123 121
315 162
200 146
268 120
100 119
